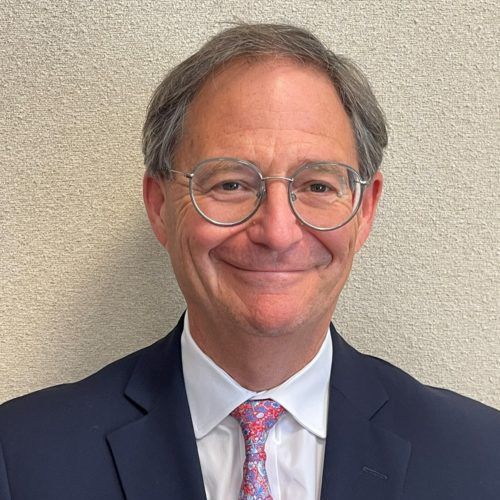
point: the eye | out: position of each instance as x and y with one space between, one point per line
318 187
230 190
230 186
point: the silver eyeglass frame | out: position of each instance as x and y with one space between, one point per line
262 190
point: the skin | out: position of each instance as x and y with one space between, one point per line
261 295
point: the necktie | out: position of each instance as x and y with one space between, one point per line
256 418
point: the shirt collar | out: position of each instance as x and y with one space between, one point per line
212 393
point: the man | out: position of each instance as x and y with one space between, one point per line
262 154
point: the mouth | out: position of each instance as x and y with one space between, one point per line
264 267
269 268
276 279
257 261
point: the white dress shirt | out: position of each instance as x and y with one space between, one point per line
295 445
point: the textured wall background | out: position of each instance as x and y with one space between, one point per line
83 280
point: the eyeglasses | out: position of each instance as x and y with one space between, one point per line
227 192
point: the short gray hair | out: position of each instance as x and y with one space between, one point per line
167 109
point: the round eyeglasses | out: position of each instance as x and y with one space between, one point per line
227 191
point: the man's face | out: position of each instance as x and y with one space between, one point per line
270 275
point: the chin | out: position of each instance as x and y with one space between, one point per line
274 318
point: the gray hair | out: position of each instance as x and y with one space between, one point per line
167 109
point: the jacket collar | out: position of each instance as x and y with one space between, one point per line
156 455
362 460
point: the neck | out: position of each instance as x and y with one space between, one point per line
255 360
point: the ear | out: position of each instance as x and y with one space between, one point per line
154 193
368 208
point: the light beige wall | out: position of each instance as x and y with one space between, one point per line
83 280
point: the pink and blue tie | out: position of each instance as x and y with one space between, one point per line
256 418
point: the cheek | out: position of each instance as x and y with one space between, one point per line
207 237
340 242
196 237
173 215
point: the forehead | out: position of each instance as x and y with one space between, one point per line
251 109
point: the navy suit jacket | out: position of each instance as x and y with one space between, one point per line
126 433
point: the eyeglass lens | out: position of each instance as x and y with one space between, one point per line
227 192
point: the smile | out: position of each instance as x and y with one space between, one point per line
266 268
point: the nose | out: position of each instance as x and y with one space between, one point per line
275 225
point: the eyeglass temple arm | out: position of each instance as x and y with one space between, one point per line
185 174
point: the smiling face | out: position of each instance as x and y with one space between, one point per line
271 275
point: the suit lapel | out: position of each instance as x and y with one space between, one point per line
156 456
362 461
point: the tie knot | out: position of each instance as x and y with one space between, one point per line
256 418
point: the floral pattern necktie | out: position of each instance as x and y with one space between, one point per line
256 418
